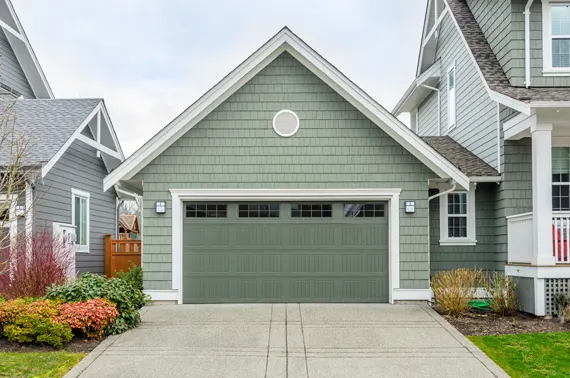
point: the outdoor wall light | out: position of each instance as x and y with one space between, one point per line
20 210
160 207
410 207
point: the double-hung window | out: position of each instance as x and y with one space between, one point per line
556 36
80 218
561 179
457 218
451 99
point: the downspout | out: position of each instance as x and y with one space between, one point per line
452 189
527 43
438 106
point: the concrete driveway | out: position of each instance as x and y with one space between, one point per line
307 340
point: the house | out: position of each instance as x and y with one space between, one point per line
129 226
70 147
286 182
493 77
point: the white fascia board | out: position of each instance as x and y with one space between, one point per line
404 103
285 40
549 104
483 179
46 168
519 127
26 57
510 102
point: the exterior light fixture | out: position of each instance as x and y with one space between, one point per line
20 210
410 207
160 207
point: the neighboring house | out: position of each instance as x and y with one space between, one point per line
71 146
288 183
493 77
129 227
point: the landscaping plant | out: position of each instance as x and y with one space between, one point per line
28 274
133 276
501 290
119 292
562 302
454 289
92 317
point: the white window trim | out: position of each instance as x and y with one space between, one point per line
471 239
296 125
86 195
13 222
451 121
547 69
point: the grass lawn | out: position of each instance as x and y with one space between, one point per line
529 355
38 364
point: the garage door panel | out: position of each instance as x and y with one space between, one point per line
233 260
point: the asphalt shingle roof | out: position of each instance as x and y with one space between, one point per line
489 64
461 157
46 125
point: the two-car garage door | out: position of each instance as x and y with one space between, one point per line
285 252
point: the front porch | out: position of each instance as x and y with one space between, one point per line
539 241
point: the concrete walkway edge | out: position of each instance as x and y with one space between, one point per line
91 357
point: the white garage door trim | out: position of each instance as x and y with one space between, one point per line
238 195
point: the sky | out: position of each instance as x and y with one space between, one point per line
151 59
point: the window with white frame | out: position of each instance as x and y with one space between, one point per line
561 179
80 218
556 36
457 218
451 101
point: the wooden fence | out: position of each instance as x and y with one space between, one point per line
121 254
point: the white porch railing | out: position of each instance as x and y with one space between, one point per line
561 237
519 229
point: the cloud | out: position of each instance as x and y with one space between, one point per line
150 59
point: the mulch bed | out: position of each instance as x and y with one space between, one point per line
479 323
76 345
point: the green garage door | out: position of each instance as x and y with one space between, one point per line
285 252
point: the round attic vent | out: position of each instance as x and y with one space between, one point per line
286 123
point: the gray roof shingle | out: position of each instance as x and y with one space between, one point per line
489 64
461 157
46 125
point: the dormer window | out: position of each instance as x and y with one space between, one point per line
556 37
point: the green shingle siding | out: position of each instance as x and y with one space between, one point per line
482 255
336 147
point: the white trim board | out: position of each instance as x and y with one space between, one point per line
181 195
23 50
162 295
285 40
552 271
96 113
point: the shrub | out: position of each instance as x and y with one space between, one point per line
11 311
89 286
29 274
92 317
454 289
562 302
133 276
501 290
37 329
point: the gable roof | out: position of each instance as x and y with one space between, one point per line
461 157
285 40
22 48
489 65
129 222
49 126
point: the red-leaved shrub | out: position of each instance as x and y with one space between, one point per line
33 265
91 317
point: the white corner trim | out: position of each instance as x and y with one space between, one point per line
451 118
412 294
162 295
13 223
29 217
180 195
285 40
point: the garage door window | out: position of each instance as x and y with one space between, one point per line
364 210
258 210
206 210
311 210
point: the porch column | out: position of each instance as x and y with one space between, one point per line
542 194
